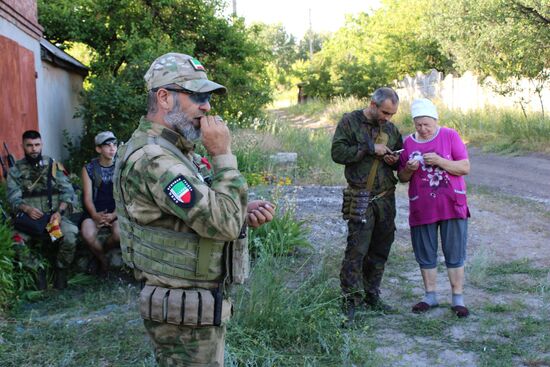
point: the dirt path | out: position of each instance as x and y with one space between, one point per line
508 279
507 283
523 176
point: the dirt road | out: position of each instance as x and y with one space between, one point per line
523 176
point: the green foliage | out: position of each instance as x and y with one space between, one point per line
280 237
126 36
515 34
372 51
15 281
7 281
281 48
7 253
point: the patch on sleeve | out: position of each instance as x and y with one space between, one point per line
181 192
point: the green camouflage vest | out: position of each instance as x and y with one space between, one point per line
161 251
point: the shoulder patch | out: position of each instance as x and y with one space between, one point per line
181 192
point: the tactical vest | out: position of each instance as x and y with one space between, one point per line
162 251
39 198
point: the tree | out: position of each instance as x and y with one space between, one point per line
370 51
506 39
282 50
125 36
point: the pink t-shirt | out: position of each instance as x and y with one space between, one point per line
435 194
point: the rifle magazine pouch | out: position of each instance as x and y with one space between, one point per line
176 301
183 307
159 304
346 204
207 307
145 302
360 201
191 309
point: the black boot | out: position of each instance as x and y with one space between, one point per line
373 302
41 279
60 281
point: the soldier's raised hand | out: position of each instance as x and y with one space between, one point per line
215 135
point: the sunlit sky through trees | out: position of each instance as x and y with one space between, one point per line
326 16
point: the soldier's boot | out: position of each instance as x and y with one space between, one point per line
60 281
348 307
41 280
373 302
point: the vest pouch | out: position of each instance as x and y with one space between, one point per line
240 261
346 203
187 307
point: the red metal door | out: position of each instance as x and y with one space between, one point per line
18 104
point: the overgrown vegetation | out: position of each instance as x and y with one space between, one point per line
497 130
121 40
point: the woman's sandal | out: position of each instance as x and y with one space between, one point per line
460 311
422 307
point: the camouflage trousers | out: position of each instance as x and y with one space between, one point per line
367 250
187 346
33 249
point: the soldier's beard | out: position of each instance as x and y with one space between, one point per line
33 160
183 124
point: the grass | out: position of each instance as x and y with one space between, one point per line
314 163
288 314
81 326
496 130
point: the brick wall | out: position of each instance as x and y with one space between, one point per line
22 13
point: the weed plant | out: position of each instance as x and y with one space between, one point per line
280 237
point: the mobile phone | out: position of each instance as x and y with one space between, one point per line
397 152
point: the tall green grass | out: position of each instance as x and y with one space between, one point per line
314 163
278 325
493 129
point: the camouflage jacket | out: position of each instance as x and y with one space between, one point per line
27 184
353 146
152 199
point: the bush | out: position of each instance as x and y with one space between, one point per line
7 281
280 237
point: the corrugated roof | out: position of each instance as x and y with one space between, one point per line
56 56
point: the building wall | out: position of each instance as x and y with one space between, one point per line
55 90
58 104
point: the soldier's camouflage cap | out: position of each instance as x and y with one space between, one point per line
183 70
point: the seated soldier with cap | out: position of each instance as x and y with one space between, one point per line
99 205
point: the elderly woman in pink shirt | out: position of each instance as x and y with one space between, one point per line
434 161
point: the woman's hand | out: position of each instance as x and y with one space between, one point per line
412 165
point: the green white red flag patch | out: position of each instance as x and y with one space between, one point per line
197 65
181 192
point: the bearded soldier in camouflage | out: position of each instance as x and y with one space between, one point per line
182 221
27 193
365 142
